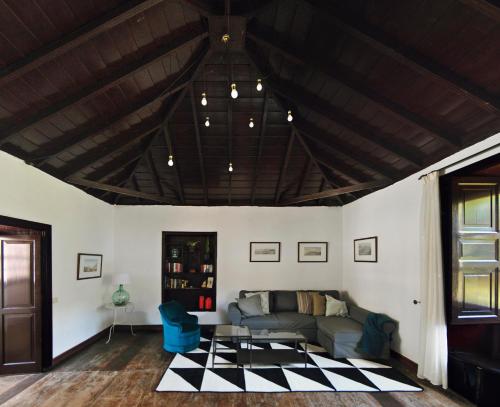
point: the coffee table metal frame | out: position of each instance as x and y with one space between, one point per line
232 333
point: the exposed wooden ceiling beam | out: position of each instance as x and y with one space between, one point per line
336 192
262 134
305 173
198 145
363 131
345 76
171 148
284 167
118 190
60 46
108 148
173 85
154 173
488 8
230 147
107 82
408 56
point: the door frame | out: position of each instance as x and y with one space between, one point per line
46 283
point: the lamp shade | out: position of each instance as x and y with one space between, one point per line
120 278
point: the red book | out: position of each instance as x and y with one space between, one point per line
201 302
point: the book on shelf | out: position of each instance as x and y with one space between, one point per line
207 268
174 267
177 283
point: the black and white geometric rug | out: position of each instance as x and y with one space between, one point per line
193 372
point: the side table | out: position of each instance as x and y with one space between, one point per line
127 310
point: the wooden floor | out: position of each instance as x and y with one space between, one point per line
126 372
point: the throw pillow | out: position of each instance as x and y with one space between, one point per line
304 302
335 307
318 304
264 299
251 306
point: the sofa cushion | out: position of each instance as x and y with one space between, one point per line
243 294
340 329
251 306
318 304
304 302
291 321
264 299
285 301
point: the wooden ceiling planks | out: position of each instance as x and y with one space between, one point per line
397 86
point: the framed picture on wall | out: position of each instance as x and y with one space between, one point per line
89 266
312 252
365 250
265 251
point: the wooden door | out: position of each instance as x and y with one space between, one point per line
20 304
475 279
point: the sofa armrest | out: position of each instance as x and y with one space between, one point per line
359 314
234 313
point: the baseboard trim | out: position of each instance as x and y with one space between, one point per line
77 348
410 364
140 328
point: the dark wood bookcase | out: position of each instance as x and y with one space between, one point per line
189 262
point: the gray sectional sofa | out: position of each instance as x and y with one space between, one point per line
338 335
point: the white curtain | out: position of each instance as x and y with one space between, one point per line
433 351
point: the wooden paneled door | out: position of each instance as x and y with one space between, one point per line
20 304
475 251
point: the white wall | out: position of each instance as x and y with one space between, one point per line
138 231
80 223
391 284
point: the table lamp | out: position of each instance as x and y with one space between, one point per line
120 297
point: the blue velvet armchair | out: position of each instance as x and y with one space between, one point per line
181 332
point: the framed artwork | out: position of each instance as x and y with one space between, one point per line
312 252
89 266
265 251
365 250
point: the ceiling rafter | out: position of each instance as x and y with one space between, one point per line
284 167
198 144
198 63
108 148
407 56
119 190
345 76
262 134
154 173
305 173
363 131
170 87
330 193
107 82
488 8
77 37
230 148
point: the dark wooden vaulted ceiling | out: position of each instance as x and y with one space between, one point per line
100 93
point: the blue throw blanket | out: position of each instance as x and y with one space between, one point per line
374 338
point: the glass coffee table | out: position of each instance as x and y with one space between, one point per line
249 355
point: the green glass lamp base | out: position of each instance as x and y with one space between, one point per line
120 297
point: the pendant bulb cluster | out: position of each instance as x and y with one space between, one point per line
230 169
259 85
170 161
250 123
204 99
207 122
289 117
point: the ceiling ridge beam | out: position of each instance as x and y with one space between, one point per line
341 74
284 167
118 190
82 34
174 84
105 83
409 57
336 192
262 134
199 147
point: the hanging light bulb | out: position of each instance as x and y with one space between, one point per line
230 169
204 99
170 161
259 85
234 92
289 117
250 124
207 122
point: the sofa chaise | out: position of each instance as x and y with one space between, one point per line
338 335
